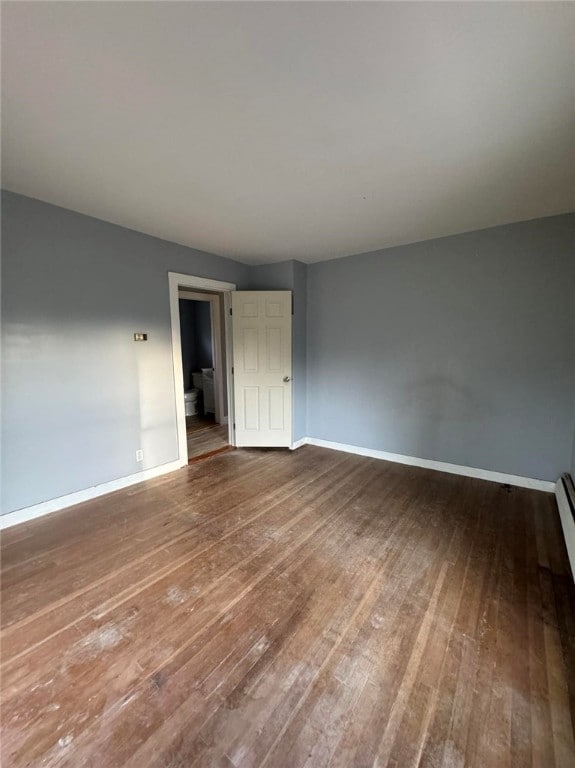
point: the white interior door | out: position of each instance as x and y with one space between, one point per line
262 368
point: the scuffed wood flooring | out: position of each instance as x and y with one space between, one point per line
207 440
276 608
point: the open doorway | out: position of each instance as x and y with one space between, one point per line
203 350
201 356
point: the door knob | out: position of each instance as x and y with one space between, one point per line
287 378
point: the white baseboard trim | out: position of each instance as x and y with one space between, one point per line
54 505
567 521
440 466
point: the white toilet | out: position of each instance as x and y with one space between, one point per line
191 402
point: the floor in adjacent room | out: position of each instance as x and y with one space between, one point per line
205 436
278 608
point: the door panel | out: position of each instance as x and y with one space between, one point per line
262 327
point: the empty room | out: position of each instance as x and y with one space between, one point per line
287 384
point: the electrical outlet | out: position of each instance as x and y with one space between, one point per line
139 455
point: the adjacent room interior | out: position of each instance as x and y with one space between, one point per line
202 343
288 384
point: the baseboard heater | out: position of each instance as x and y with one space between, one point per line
565 493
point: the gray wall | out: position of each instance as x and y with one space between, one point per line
196 337
290 276
188 339
272 277
79 395
300 350
459 349
203 325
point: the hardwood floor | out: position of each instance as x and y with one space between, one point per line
276 608
207 439
199 421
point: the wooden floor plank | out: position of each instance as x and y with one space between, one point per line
128 575
306 608
212 438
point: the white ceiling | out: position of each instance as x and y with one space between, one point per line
271 131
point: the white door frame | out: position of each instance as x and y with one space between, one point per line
177 280
214 300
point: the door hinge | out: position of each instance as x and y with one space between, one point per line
234 425
231 313
232 370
